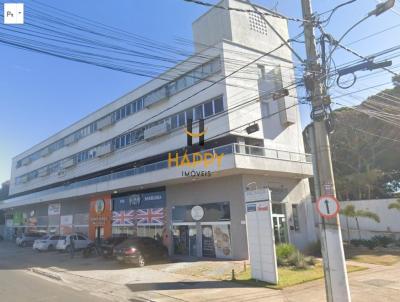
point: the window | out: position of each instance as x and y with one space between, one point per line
139 105
189 115
128 109
198 113
208 109
128 139
261 71
181 121
174 122
181 84
218 105
295 214
122 138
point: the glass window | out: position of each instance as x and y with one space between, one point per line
189 115
181 119
208 109
181 84
122 141
128 109
117 143
133 107
128 139
174 122
218 105
117 115
207 69
172 88
123 112
189 79
139 105
198 112
295 213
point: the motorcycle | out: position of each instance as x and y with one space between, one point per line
92 249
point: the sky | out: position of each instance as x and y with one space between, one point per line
40 94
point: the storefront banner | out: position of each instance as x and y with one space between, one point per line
222 241
54 209
66 219
137 201
66 224
17 218
124 218
150 216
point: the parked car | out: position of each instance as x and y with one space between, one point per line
46 243
140 251
27 239
80 242
107 246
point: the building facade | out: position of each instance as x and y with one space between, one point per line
173 158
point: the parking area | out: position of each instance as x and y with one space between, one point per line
186 280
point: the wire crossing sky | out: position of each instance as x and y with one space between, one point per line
130 41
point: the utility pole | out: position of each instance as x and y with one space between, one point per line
336 282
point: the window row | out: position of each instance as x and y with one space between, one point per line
204 110
166 90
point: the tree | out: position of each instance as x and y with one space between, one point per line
395 205
350 211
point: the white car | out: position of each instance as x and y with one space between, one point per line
80 242
46 243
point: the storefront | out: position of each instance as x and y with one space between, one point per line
100 217
139 214
202 230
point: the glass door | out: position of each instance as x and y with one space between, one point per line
184 238
280 229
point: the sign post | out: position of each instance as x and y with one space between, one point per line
260 236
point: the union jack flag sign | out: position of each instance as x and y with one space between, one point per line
150 216
124 218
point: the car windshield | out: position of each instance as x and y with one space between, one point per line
45 237
62 238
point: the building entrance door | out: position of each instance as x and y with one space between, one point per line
184 238
280 228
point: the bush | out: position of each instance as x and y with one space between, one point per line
356 242
313 249
284 252
371 244
382 240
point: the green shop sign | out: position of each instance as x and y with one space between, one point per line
17 218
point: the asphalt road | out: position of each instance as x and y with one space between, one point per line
23 286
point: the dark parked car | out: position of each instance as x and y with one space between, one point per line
140 251
27 239
107 246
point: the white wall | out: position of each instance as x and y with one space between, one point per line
389 219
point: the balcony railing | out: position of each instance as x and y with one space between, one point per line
226 149
272 153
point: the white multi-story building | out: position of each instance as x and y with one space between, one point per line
115 171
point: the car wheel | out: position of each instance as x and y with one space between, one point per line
141 261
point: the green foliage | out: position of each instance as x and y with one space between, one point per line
283 252
367 166
289 255
395 205
382 240
313 249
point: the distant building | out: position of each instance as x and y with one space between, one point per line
4 191
129 167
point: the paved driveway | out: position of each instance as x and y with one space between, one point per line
172 282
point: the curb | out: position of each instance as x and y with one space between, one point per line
46 273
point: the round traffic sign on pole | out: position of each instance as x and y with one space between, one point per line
328 206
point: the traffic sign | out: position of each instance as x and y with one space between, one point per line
328 206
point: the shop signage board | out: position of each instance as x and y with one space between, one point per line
54 209
260 236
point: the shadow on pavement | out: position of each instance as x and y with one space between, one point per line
138 287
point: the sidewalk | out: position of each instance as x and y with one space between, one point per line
173 282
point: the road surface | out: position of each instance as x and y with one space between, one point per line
24 286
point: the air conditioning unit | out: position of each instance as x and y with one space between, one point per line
26 161
155 96
104 150
69 140
43 172
104 122
67 163
156 131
